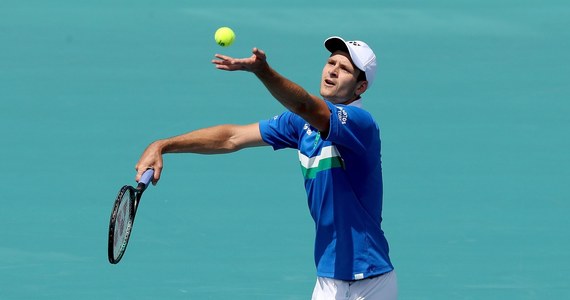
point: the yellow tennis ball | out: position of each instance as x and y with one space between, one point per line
224 36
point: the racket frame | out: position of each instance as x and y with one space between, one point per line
113 222
135 195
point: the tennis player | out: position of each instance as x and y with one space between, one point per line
339 151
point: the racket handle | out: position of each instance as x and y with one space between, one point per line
145 179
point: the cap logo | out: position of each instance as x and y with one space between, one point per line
354 43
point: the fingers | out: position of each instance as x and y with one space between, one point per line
222 57
252 63
150 159
141 170
227 63
156 176
139 173
259 53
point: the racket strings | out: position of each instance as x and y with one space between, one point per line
122 225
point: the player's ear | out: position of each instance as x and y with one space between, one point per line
361 87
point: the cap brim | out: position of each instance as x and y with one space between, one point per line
335 43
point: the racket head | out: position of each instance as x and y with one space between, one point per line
121 223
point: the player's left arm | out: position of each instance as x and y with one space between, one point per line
295 98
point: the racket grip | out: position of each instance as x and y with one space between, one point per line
145 179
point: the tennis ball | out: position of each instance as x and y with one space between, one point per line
224 36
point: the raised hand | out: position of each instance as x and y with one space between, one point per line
255 63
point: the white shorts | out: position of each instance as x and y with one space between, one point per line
383 287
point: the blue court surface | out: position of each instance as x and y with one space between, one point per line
472 98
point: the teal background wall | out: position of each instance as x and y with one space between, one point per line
472 98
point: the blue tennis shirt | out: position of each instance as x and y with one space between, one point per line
343 180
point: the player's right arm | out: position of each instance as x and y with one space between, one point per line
291 95
212 140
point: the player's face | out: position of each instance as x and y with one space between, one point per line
339 79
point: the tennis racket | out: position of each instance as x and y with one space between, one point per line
123 216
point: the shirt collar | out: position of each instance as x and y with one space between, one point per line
356 103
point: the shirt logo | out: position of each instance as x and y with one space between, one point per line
342 115
308 129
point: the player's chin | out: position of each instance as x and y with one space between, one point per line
327 90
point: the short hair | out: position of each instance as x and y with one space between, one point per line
361 76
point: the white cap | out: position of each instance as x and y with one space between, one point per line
361 54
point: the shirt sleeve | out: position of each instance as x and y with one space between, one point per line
280 131
351 127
